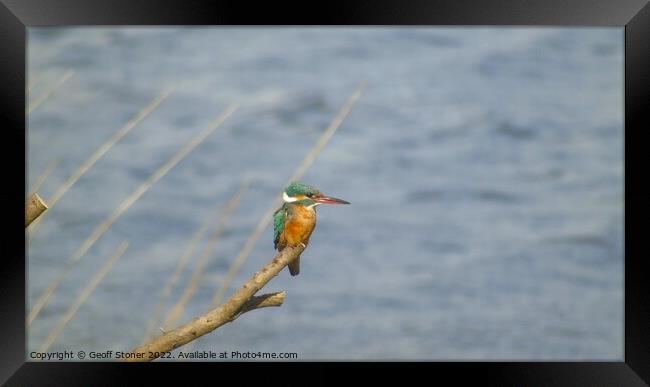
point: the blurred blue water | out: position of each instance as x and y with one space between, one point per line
484 167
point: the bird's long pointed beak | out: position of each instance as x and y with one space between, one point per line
329 200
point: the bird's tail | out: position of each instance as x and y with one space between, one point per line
294 266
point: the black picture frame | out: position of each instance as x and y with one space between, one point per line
634 15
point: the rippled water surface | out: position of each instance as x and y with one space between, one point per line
484 167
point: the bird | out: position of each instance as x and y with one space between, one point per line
295 220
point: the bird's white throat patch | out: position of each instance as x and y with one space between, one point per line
287 198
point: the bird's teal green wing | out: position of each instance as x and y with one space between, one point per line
279 218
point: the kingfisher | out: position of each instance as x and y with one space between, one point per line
294 222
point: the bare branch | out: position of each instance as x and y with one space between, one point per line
34 207
263 301
217 317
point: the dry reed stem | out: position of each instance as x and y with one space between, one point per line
31 84
105 147
45 296
34 207
219 316
180 267
224 219
47 94
38 184
83 296
144 187
126 203
300 171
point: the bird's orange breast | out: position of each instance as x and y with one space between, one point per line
299 226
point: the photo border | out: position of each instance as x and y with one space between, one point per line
17 15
